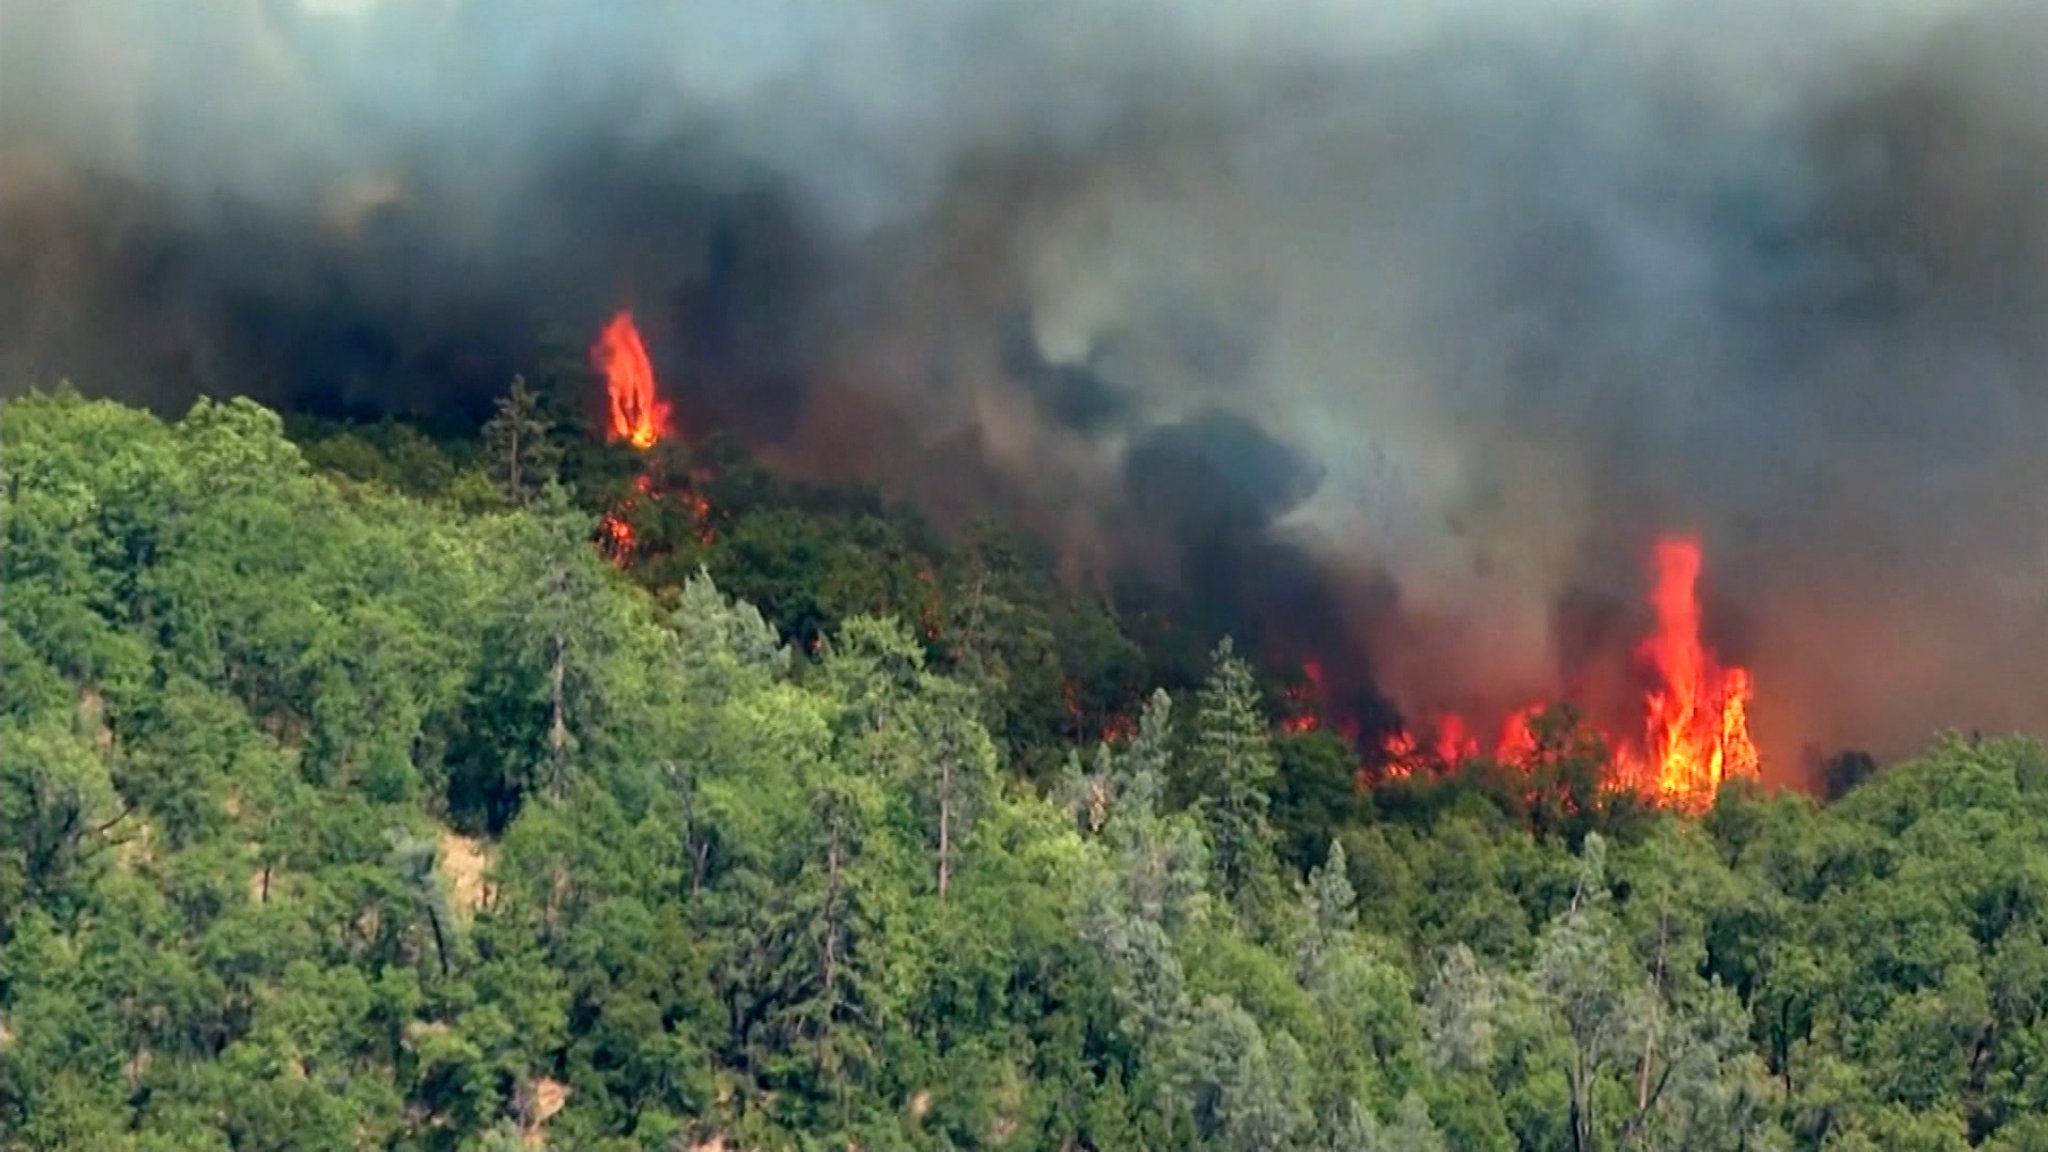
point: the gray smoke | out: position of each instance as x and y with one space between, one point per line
1456 303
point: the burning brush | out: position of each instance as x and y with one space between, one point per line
1695 731
1696 719
639 418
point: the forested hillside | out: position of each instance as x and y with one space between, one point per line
351 798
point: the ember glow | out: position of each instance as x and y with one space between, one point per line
1305 700
1696 718
1306 705
639 417
616 534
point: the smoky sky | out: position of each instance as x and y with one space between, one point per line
1422 320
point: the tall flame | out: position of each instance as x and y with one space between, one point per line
1696 720
638 415
1697 731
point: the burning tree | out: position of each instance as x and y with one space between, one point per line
1695 733
640 419
639 416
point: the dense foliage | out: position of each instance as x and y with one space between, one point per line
350 799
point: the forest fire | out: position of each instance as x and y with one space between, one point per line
1305 704
1698 724
1695 732
1696 719
639 417
618 534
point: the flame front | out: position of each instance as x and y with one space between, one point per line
1696 719
638 415
1697 731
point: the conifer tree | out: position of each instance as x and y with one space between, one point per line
1234 765
524 457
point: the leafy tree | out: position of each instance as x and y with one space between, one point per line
1315 795
674 869
1236 1084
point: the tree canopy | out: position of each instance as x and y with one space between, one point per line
349 798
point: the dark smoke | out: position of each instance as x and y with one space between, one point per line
1408 325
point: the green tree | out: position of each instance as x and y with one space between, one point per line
524 458
1233 765
1239 1087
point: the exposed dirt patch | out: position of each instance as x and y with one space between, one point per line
133 847
92 721
466 865
539 1100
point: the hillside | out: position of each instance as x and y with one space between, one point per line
351 798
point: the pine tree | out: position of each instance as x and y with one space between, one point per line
1088 795
960 769
1332 908
524 457
1234 764
1142 781
819 988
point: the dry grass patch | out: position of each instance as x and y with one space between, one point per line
133 847
538 1101
466 866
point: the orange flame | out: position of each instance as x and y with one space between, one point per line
1518 734
1454 741
618 535
1696 722
1697 731
638 415
1401 755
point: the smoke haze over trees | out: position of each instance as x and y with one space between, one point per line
1403 324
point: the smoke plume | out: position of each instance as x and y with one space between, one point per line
1404 327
